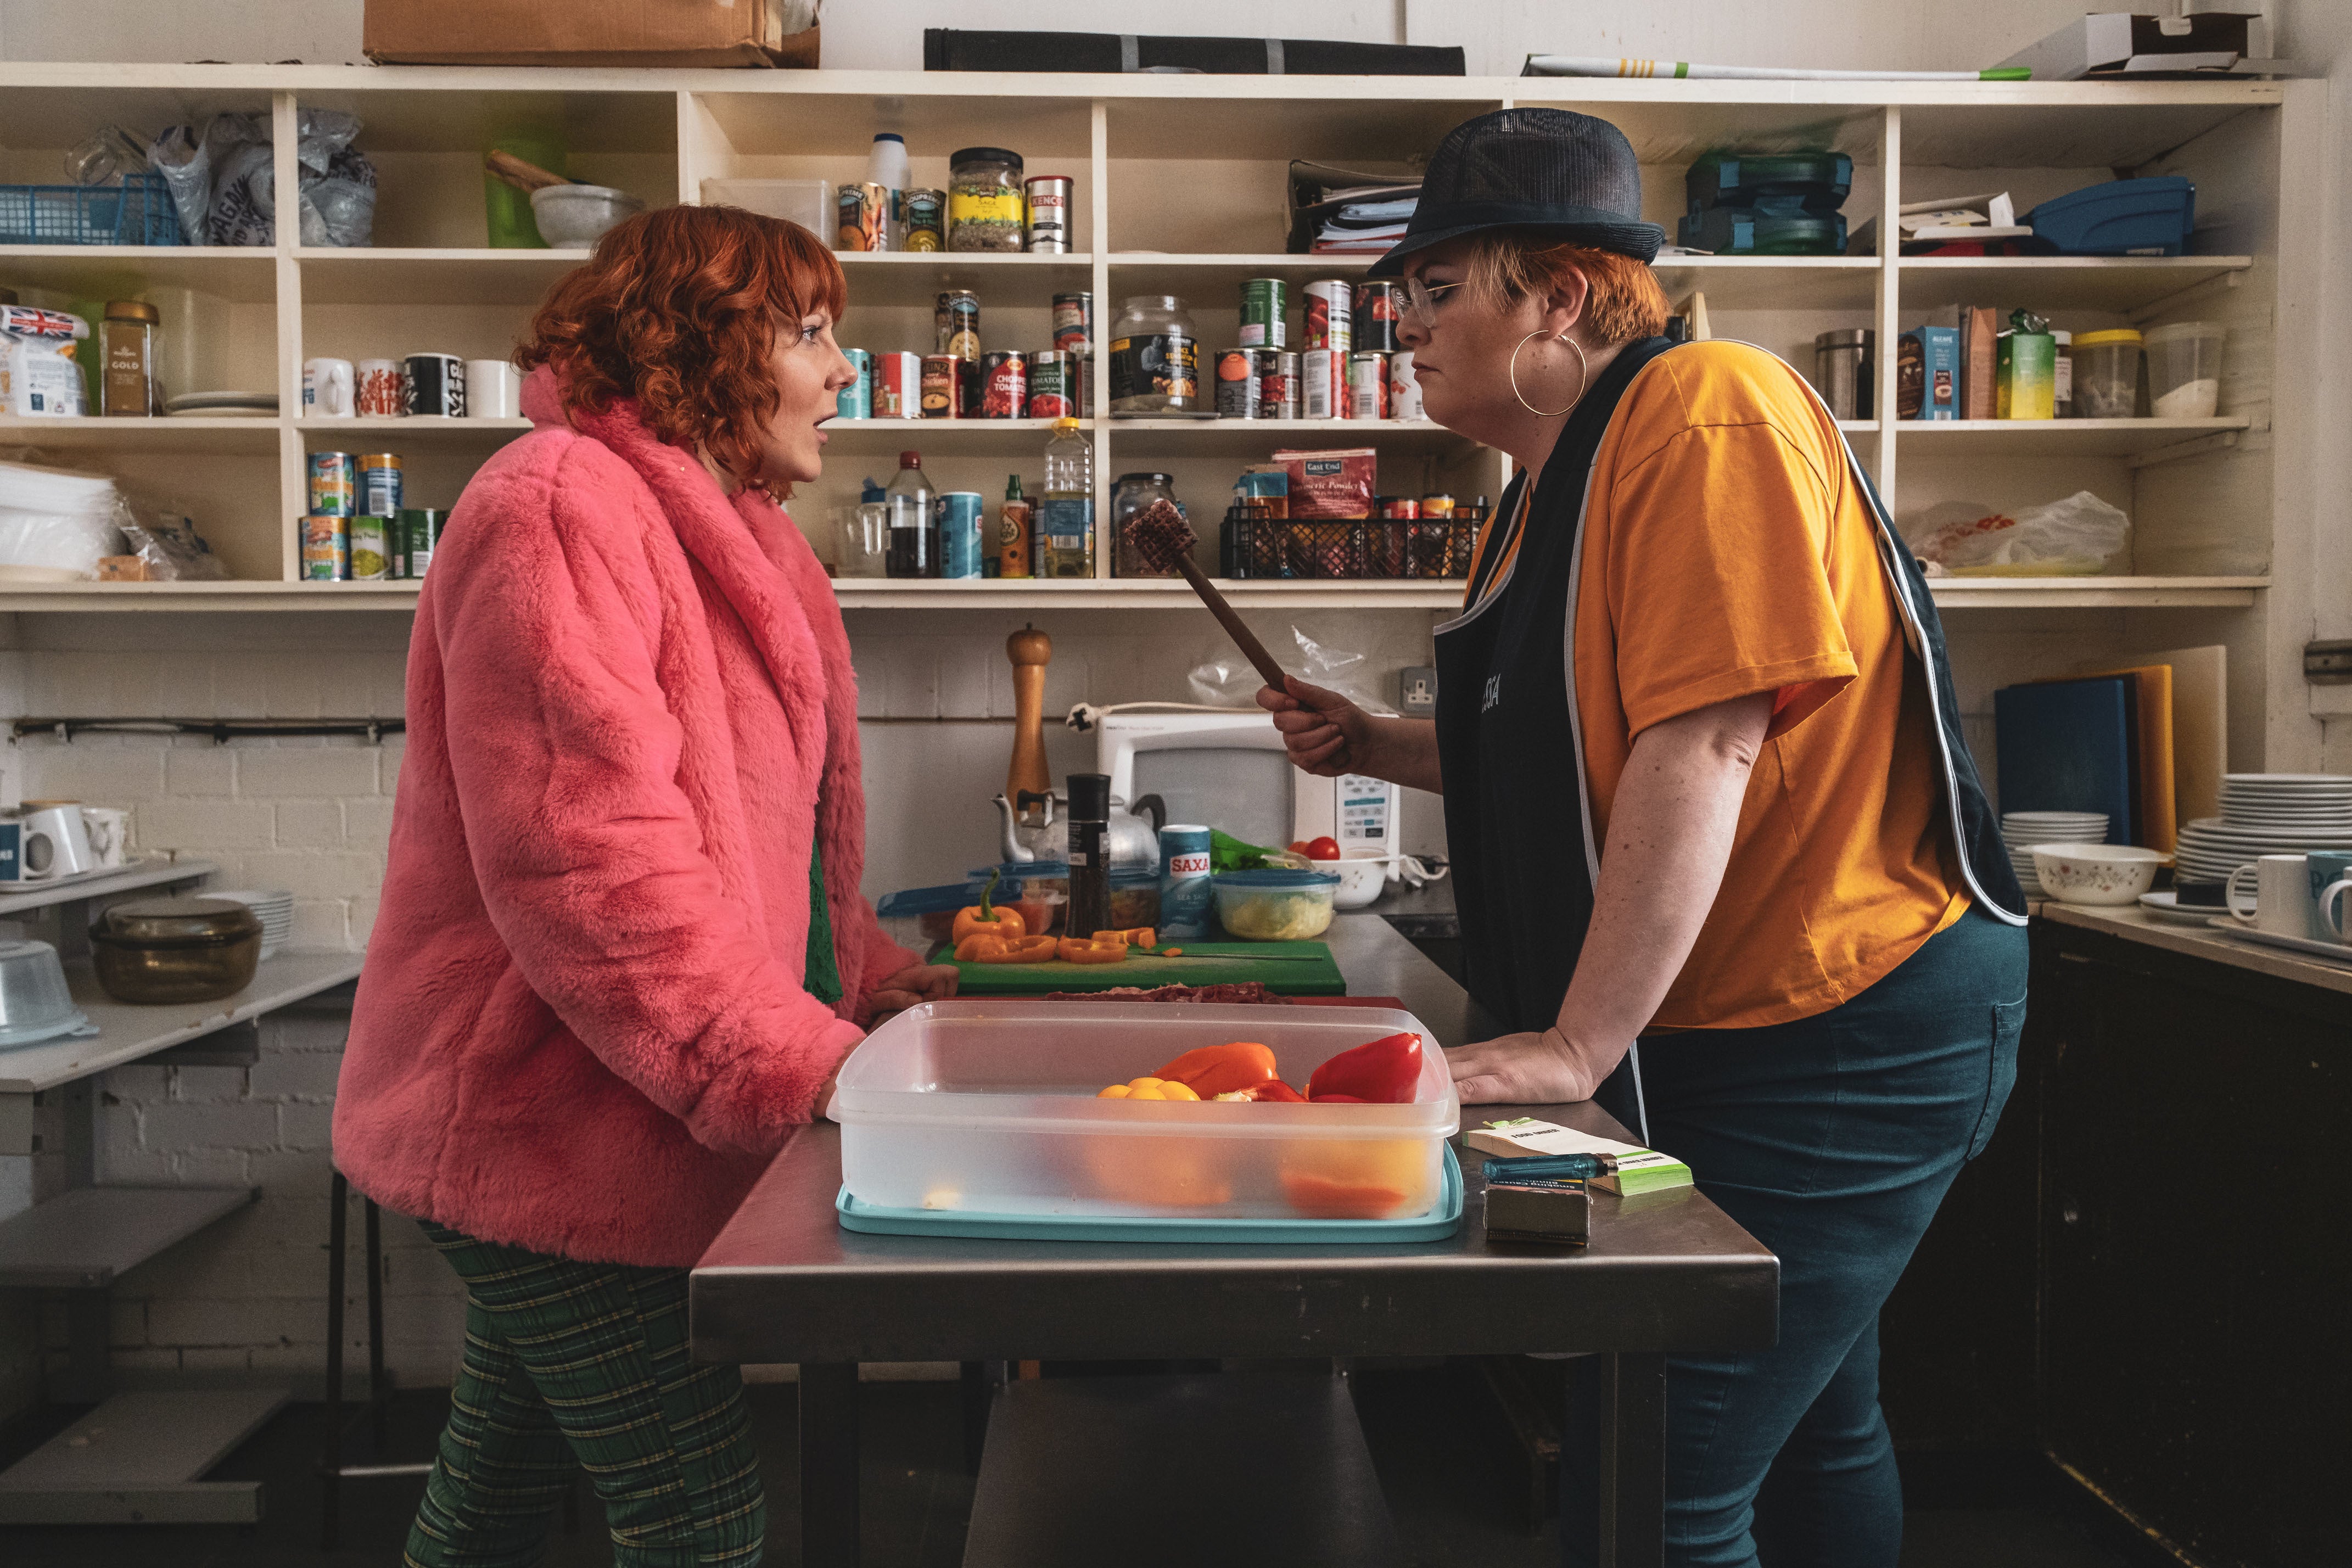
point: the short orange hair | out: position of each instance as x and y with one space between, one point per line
1625 303
677 310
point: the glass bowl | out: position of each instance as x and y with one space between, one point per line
156 951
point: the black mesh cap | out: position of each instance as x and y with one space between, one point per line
1570 176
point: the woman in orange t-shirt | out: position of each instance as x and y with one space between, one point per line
1700 792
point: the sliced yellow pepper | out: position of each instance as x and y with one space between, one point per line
982 947
1132 936
1073 951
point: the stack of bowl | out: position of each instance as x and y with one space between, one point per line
2021 830
274 907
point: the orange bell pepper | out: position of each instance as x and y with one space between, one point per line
982 947
1212 1070
1072 951
984 919
1133 936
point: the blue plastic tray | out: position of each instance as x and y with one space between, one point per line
1436 1225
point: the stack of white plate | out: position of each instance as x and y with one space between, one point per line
2021 830
2267 813
222 406
274 907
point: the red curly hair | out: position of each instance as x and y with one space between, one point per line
677 310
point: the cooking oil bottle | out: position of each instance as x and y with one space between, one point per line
1065 522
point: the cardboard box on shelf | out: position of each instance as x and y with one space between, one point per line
781 33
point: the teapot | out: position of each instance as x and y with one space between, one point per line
1035 829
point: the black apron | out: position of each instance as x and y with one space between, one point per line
1518 817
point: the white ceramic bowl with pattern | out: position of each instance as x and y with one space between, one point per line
2095 873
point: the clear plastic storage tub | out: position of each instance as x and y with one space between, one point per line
991 1106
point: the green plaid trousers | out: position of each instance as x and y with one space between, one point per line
569 1361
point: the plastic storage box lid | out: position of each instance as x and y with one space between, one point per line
1819 181
1017 871
1739 231
1277 877
2106 335
2151 216
923 900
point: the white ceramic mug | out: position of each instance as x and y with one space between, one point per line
2326 915
109 829
329 390
2281 896
55 843
493 389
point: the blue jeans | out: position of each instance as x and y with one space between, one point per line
1830 1139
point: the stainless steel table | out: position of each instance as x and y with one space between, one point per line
1671 1273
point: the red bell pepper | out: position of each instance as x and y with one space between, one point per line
1211 1070
1381 1073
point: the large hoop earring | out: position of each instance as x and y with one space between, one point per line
1584 376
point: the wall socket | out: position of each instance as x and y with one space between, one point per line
1417 691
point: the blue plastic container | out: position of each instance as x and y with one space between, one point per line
139 211
2152 216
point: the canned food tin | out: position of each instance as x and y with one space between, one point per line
370 561
1074 323
1266 313
1238 387
855 400
1049 212
961 515
1437 506
1053 385
1404 507
927 219
1367 384
1323 382
334 484
862 212
420 530
955 325
1004 386
1329 323
326 548
379 485
1375 316
942 386
1277 389
1404 387
898 386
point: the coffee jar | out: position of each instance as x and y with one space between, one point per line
1155 357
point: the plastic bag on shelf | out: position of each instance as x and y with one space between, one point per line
188 169
338 183
1228 680
2076 537
165 540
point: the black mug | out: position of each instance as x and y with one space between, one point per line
435 385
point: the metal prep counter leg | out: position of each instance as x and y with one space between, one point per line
1633 1417
828 1429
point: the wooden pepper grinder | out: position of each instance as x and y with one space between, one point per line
1030 651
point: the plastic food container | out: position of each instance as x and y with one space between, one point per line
1039 890
2106 375
1276 905
989 1106
175 950
2184 369
1134 898
34 1002
808 203
918 917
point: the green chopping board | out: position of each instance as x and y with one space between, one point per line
1222 964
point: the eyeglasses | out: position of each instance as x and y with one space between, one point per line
1421 302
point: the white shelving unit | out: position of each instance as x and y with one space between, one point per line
118 1465
1178 189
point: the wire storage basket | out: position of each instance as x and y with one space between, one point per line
138 211
1252 545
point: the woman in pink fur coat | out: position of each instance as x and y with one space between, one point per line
621 948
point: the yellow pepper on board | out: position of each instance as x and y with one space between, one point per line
982 948
985 919
1072 951
1133 936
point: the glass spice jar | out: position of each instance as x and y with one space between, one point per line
126 386
986 210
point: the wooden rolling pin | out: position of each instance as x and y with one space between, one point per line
507 169
1030 651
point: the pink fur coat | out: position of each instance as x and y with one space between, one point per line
582 1027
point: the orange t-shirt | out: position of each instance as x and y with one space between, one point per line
1727 551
